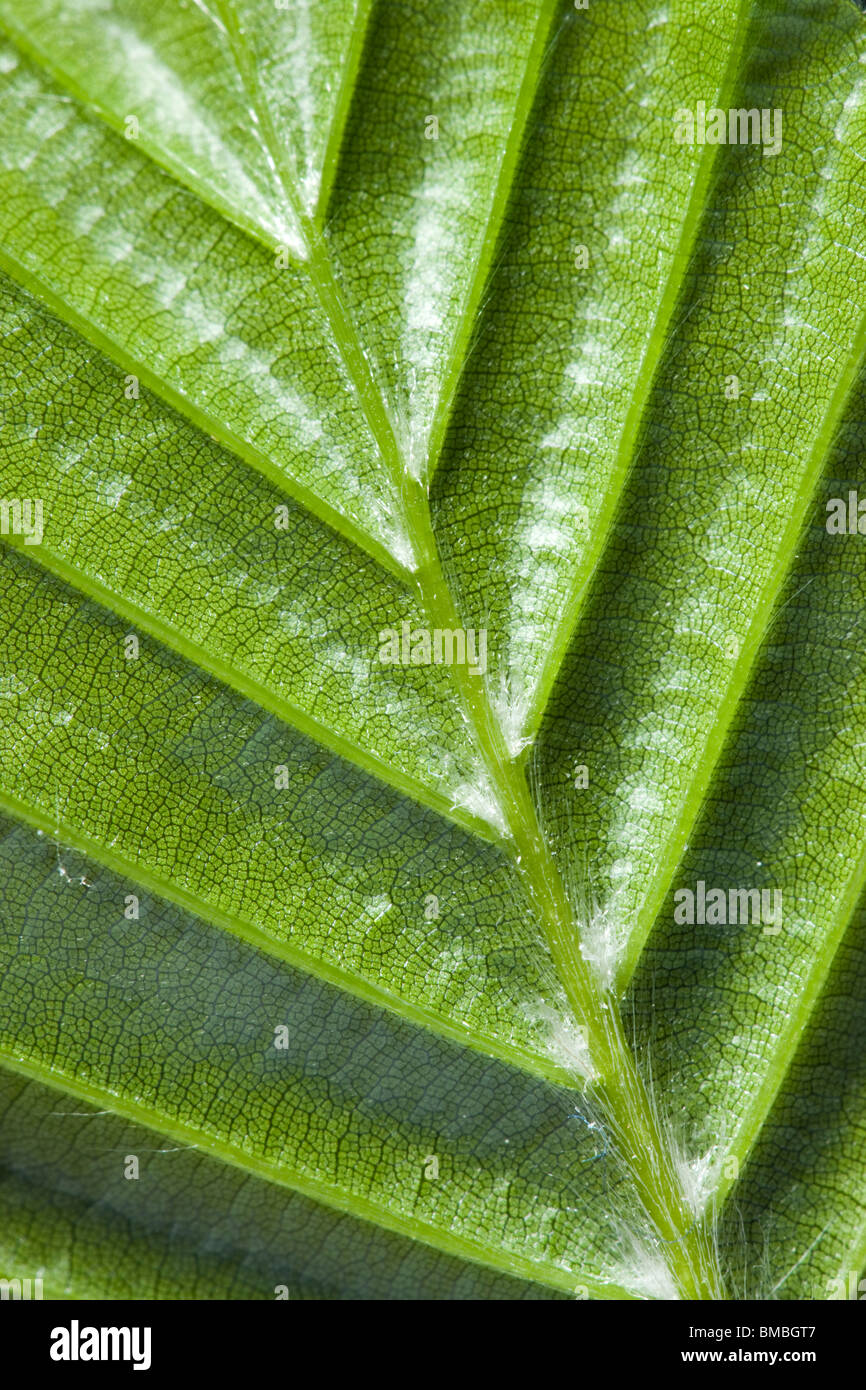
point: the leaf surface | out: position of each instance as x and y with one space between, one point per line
347 320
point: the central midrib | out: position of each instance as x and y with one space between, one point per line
687 1248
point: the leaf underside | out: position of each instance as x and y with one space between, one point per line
330 976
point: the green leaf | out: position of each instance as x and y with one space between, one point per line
328 973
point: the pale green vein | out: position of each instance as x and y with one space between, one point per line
806 1001
157 153
320 269
331 160
329 1194
245 61
95 334
173 637
359 986
538 54
787 549
320 272
631 431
